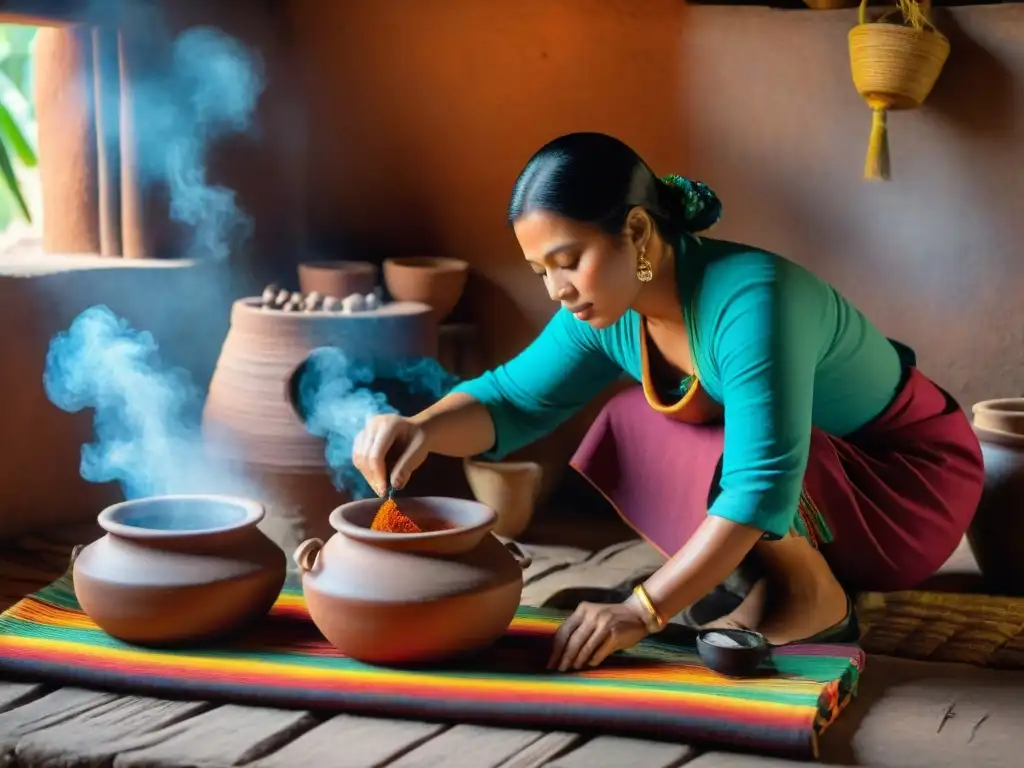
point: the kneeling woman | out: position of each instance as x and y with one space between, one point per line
771 418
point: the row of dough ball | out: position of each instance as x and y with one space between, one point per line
282 300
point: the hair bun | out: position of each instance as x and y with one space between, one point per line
697 204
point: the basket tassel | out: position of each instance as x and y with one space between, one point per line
876 165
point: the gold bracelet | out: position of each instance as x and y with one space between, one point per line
655 623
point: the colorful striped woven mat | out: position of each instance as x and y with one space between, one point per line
655 690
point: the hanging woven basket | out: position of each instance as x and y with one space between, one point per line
894 67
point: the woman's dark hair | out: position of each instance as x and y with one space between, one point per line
597 179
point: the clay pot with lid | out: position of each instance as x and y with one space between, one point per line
178 569
435 281
996 535
338 278
407 598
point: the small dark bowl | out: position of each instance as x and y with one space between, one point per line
739 658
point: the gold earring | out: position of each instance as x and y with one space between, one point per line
644 271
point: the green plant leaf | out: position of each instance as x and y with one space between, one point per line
13 185
15 117
6 209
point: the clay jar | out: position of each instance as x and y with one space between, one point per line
996 535
176 569
401 598
337 278
437 282
510 488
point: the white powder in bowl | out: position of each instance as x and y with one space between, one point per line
723 640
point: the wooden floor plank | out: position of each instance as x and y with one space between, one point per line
543 750
350 741
45 712
616 752
95 736
225 736
731 760
16 694
469 746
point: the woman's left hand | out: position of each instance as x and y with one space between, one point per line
595 631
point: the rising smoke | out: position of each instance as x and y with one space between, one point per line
209 91
335 400
146 413
146 420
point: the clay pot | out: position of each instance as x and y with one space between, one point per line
338 278
510 488
249 419
175 569
996 535
398 598
437 282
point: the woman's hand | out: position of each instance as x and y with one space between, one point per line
378 437
595 631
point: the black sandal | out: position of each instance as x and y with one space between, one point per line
846 631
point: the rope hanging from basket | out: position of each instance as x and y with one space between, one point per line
894 66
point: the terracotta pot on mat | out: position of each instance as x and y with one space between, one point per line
438 282
249 419
338 278
894 67
510 488
173 569
996 535
398 598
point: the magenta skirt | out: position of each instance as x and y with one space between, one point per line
896 496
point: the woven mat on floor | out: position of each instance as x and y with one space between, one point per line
983 630
656 690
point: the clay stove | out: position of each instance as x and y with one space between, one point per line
249 419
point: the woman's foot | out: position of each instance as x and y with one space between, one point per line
794 615
748 614
798 598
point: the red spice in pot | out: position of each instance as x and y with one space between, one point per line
390 519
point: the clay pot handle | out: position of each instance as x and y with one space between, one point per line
517 552
306 554
75 552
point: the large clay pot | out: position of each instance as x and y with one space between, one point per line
396 598
510 488
174 569
996 535
438 282
338 278
249 418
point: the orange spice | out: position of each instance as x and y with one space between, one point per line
390 519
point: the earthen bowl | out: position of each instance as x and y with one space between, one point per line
178 569
436 281
411 598
1004 415
510 488
338 278
737 652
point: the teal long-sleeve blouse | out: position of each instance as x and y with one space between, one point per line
778 348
